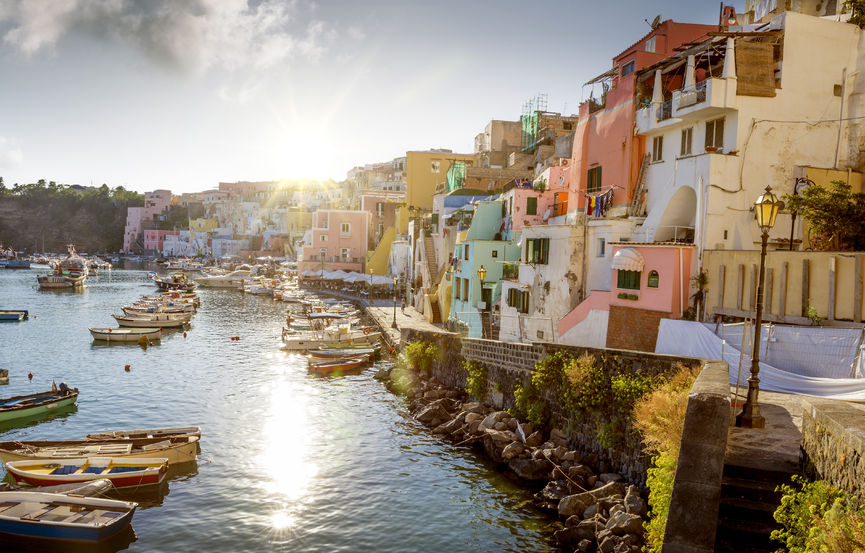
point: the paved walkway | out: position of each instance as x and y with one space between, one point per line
384 316
775 447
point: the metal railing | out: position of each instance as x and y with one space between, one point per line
665 110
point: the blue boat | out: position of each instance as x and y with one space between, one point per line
9 260
13 314
63 517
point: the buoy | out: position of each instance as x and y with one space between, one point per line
151 343
30 376
184 334
126 368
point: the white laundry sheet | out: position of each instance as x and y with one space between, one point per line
693 339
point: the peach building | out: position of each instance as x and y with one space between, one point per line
155 203
337 240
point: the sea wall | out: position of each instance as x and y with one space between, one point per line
833 443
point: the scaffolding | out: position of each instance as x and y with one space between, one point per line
532 110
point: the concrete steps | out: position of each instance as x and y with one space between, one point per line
430 254
745 516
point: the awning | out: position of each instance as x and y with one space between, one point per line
628 259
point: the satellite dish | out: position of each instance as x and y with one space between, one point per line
656 21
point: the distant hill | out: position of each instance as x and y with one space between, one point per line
45 216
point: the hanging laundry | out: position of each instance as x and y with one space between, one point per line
588 205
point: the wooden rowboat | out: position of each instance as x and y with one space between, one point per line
123 473
339 365
63 517
18 407
181 449
338 353
125 334
146 433
161 321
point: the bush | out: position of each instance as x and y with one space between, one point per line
420 355
818 517
476 380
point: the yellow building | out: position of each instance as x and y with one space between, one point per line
202 224
424 170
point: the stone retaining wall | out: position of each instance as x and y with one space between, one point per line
833 440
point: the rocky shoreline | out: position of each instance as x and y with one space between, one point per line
598 510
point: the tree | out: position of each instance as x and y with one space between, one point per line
836 216
857 7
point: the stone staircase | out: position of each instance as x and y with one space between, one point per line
748 500
430 254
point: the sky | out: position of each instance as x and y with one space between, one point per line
184 94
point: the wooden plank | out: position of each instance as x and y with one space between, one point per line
830 311
857 288
722 273
767 294
753 300
740 286
806 286
782 290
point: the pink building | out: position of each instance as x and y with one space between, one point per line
154 239
155 203
381 206
337 240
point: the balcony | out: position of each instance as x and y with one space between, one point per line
510 270
560 208
710 98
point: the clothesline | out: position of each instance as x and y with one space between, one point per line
598 204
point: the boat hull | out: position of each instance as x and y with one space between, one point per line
126 335
176 453
59 529
161 322
41 409
140 472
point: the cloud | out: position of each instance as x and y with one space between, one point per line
190 35
11 155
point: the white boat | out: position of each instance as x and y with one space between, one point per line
126 334
341 335
146 433
71 272
234 279
161 320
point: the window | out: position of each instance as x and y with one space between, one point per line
628 68
466 289
715 134
629 280
322 238
650 45
518 299
594 180
322 221
344 229
435 167
457 289
495 253
658 148
653 279
537 250
531 206
602 247
322 253
466 252
345 253
511 205
687 141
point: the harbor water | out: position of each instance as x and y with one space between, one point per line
289 461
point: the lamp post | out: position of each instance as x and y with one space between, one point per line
482 275
393 324
801 183
766 208
369 290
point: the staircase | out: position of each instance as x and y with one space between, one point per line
436 313
748 500
430 253
486 325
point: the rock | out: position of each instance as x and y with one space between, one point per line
573 520
608 477
448 428
538 454
527 427
552 493
491 419
473 427
512 424
571 505
584 546
558 453
591 480
616 508
591 511
587 529
548 445
606 545
570 456
501 425
621 523
453 394
534 439
567 536
433 414
472 417
580 471
433 394
531 469
592 497
512 450
556 434
634 504
473 407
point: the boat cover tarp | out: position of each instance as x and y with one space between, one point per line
692 339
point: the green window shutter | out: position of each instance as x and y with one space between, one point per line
628 280
545 250
435 218
531 206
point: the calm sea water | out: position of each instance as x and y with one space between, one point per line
289 461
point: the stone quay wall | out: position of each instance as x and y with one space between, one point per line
833 441
510 364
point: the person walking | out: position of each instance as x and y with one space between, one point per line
403 305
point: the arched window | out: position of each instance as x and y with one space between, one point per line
653 279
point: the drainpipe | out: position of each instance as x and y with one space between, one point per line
682 289
841 116
657 94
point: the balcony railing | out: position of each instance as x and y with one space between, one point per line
560 209
692 96
335 259
510 270
665 110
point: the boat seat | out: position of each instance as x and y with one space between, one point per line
65 469
7 504
75 516
93 470
116 470
34 515
107 517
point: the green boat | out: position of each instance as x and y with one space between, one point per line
19 407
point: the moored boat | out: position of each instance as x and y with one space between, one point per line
340 352
180 449
19 407
4 376
126 334
71 272
161 320
12 315
146 433
123 473
339 365
63 517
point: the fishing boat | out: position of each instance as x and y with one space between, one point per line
9 259
177 281
161 320
123 473
179 449
19 407
146 433
63 517
134 335
12 315
155 307
71 272
336 353
339 365
235 279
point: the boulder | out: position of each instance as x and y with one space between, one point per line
571 505
591 511
585 546
512 424
473 407
572 535
512 450
580 471
472 417
558 453
608 477
448 427
634 503
531 469
556 434
606 545
591 480
534 439
621 523
491 419
473 427
592 497
433 414
501 425
570 456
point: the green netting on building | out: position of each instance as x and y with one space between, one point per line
530 130
456 176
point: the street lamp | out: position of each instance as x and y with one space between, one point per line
766 209
801 184
369 290
393 324
482 274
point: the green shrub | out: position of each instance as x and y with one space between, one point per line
659 479
528 405
476 379
420 355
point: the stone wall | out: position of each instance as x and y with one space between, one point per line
833 441
511 364
632 328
